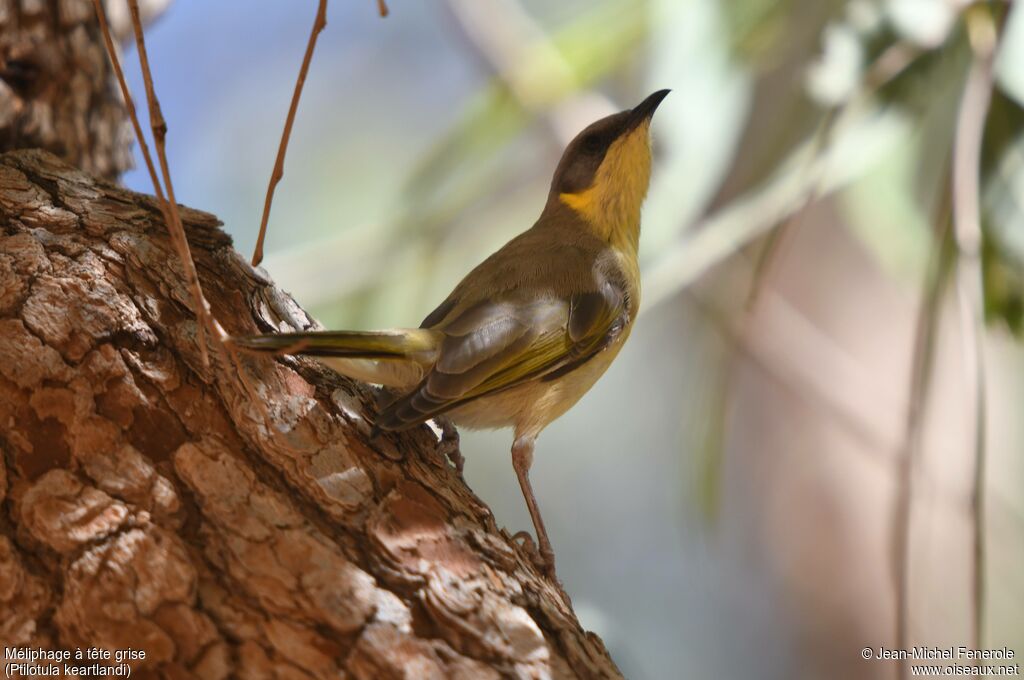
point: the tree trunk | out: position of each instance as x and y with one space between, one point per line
225 522
56 86
230 520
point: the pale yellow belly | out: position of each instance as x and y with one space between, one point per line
531 406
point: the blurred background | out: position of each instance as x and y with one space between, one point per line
783 465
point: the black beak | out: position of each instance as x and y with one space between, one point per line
645 109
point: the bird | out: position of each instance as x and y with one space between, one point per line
528 331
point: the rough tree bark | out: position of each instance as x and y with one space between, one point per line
227 527
56 86
229 520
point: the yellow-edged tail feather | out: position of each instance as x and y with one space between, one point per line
414 343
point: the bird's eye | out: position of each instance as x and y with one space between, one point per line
591 143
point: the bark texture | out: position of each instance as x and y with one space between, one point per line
57 90
230 524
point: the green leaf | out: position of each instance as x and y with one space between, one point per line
1003 281
1002 172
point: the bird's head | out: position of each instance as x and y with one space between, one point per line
605 170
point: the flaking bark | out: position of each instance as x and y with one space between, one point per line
56 86
230 528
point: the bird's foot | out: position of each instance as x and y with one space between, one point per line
545 563
449 444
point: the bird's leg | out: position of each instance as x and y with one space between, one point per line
522 459
450 443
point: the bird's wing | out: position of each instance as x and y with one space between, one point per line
502 342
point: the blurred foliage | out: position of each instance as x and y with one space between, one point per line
825 115
1003 213
462 163
914 88
472 158
930 82
1004 286
879 57
704 433
854 99
758 29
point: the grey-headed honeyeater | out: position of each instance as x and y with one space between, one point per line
526 333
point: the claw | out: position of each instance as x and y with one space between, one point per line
525 541
449 444
544 564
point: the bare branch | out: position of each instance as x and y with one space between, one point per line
962 208
887 66
923 359
318 25
791 369
774 239
217 331
170 210
129 102
983 31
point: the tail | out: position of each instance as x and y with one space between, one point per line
417 344
396 358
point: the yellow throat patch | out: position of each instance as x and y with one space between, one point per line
611 205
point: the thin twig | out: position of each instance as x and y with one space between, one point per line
983 32
887 66
167 208
318 25
719 235
963 215
974 361
805 340
773 241
158 190
129 104
382 8
923 359
159 127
